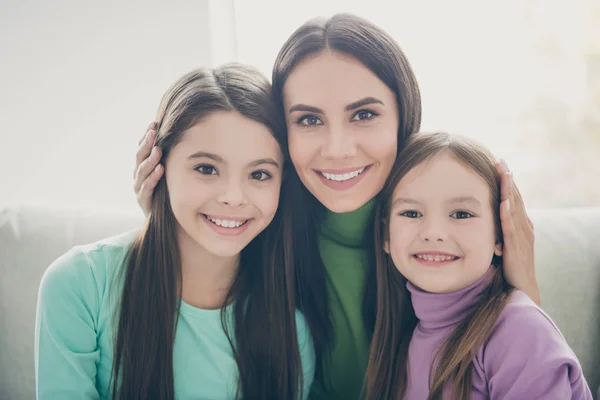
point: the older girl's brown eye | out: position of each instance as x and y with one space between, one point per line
206 169
260 175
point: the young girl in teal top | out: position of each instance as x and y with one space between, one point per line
350 100
193 305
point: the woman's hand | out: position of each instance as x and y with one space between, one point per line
147 170
517 228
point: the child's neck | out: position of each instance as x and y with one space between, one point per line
206 278
441 310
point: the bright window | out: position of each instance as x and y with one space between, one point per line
521 76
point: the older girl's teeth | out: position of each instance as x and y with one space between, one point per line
343 177
226 223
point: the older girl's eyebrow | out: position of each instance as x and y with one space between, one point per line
201 154
264 161
219 159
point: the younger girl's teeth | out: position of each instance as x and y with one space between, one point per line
343 177
428 257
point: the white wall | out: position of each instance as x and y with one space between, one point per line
521 76
80 81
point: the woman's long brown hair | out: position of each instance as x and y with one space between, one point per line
264 339
387 372
378 51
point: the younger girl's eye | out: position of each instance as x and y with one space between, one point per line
411 214
461 215
364 115
260 175
309 120
206 169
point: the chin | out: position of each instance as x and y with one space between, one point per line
344 205
226 251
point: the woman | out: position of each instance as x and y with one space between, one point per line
350 100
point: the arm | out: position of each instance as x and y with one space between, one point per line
307 354
66 352
526 357
518 235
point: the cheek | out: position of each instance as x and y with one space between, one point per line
185 190
300 149
400 240
384 150
266 199
477 239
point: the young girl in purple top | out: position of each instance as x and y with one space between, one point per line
448 324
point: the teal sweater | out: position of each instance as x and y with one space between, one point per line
342 244
75 327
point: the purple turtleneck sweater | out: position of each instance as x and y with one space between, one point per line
525 356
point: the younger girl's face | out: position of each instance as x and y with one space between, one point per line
342 125
441 227
223 179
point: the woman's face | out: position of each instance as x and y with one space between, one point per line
342 124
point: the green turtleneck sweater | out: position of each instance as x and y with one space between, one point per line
342 244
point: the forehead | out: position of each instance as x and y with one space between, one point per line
442 177
333 77
230 135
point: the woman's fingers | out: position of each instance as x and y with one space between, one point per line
144 149
518 236
145 168
144 195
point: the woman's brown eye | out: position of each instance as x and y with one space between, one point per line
364 115
309 120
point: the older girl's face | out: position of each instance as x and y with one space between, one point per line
224 178
342 124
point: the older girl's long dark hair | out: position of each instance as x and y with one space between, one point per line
264 339
395 322
373 47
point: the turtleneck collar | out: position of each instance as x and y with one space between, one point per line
351 228
439 310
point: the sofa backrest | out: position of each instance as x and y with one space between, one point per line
567 263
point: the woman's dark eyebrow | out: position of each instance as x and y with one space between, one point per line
304 107
363 102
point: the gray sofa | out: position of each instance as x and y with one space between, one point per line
567 260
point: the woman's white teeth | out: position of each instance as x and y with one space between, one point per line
227 223
428 257
343 177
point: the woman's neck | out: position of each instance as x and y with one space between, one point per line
206 278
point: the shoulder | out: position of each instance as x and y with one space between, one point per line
521 315
87 266
524 333
527 357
